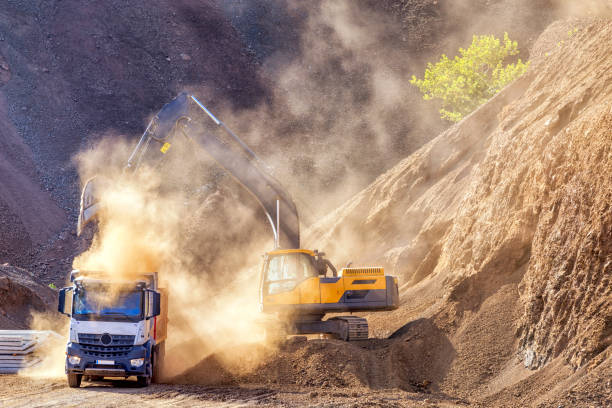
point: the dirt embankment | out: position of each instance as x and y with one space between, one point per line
28 216
500 227
396 362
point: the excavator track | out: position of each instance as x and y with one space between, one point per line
355 328
347 328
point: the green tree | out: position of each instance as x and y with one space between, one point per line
467 81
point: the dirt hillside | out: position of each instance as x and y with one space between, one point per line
29 217
500 227
20 295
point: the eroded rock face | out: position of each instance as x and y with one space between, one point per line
540 203
567 288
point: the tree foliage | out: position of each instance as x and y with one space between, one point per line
467 81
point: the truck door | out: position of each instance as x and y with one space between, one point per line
310 288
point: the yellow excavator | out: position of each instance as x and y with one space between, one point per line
300 286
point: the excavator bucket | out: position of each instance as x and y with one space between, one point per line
90 204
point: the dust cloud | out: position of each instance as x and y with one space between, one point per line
338 115
583 8
200 231
175 228
52 351
342 109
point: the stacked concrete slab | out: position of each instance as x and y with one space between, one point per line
18 348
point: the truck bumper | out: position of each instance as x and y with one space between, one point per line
101 366
106 372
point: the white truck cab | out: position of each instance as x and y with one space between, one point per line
117 326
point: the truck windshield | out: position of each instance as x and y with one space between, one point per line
103 302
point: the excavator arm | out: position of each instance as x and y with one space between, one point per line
237 159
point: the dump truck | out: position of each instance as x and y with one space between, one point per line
299 286
117 326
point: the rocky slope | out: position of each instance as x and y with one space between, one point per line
20 296
499 228
28 216
72 72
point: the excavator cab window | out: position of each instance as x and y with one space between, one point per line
284 272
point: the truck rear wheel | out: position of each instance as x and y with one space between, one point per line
74 380
158 362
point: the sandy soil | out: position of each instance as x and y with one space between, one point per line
23 392
555 385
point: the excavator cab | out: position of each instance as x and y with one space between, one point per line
304 280
289 277
284 270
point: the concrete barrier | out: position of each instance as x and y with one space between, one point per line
18 348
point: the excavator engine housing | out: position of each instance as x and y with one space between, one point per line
294 286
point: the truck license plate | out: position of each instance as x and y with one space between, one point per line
105 362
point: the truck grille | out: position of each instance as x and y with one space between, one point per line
116 339
93 344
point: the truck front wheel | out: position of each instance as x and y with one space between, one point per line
74 380
144 380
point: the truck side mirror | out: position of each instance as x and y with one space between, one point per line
64 304
154 304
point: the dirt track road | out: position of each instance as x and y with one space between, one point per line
18 391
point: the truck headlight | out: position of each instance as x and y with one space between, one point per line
74 360
137 362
